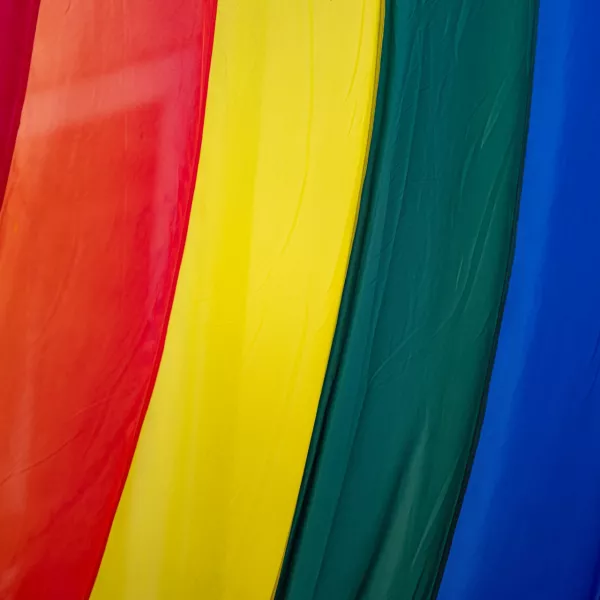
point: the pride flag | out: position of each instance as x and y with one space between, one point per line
299 300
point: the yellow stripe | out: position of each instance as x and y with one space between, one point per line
211 493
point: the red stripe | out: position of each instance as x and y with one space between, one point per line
17 28
91 237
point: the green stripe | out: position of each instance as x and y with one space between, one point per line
408 372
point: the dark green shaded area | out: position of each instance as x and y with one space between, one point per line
407 377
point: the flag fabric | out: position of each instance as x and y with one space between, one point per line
298 300
91 234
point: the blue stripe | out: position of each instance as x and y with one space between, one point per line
530 524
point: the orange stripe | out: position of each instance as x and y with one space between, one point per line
91 235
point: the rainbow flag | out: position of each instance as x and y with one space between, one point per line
299 300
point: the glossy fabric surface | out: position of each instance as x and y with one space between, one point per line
91 235
211 493
530 524
405 384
